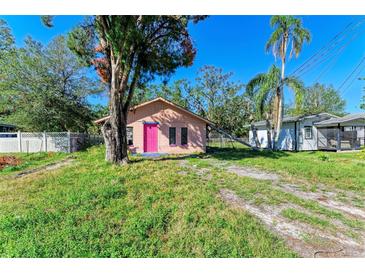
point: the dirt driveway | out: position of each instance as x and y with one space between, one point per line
314 222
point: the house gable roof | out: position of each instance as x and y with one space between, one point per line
339 120
7 125
291 119
100 121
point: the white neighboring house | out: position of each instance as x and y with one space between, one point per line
313 132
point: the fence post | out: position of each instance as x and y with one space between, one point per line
45 141
19 141
69 141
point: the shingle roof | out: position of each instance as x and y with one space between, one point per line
339 120
6 125
290 119
102 120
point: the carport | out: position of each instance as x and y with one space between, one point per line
344 133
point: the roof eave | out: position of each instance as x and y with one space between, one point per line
101 120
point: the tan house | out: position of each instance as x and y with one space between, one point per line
160 126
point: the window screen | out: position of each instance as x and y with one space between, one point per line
184 135
308 132
130 136
172 135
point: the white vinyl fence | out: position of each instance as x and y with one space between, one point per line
46 141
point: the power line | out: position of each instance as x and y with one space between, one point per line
321 49
362 62
327 48
336 56
352 73
325 52
334 41
331 54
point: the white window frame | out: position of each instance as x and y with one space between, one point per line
310 128
130 134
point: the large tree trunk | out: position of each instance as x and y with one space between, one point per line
279 102
276 115
116 146
115 129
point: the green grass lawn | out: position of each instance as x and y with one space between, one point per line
32 160
146 209
157 208
341 170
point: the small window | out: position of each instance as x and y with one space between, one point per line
184 136
308 133
130 136
172 135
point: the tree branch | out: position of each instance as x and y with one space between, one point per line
132 86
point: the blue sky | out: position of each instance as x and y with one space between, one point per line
236 44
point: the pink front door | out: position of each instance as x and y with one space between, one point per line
150 137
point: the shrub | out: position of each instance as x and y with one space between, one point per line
362 154
324 157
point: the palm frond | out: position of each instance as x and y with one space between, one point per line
298 87
297 36
274 40
255 83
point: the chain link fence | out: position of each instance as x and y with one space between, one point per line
217 139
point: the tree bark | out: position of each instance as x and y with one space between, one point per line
115 129
254 134
280 96
116 146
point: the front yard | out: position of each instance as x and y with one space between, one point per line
198 206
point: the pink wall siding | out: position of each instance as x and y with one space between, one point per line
167 116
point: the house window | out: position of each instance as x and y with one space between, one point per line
184 136
308 133
172 135
130 136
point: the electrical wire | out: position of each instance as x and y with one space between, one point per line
321 49
326 52
315 59
351 73
360 70
336 56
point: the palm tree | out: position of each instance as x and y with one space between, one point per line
262 90
288 32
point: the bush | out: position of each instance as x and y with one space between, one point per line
362 154
324 157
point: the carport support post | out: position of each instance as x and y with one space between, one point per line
338 137
19 141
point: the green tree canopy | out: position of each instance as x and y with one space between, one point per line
127 51
6 38
288 32
47 88
7 47
262 91
213 95
320 98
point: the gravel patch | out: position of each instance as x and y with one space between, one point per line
253 173
48 167
326 199
293 233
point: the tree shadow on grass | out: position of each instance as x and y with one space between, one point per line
234 154
228 154
164 158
